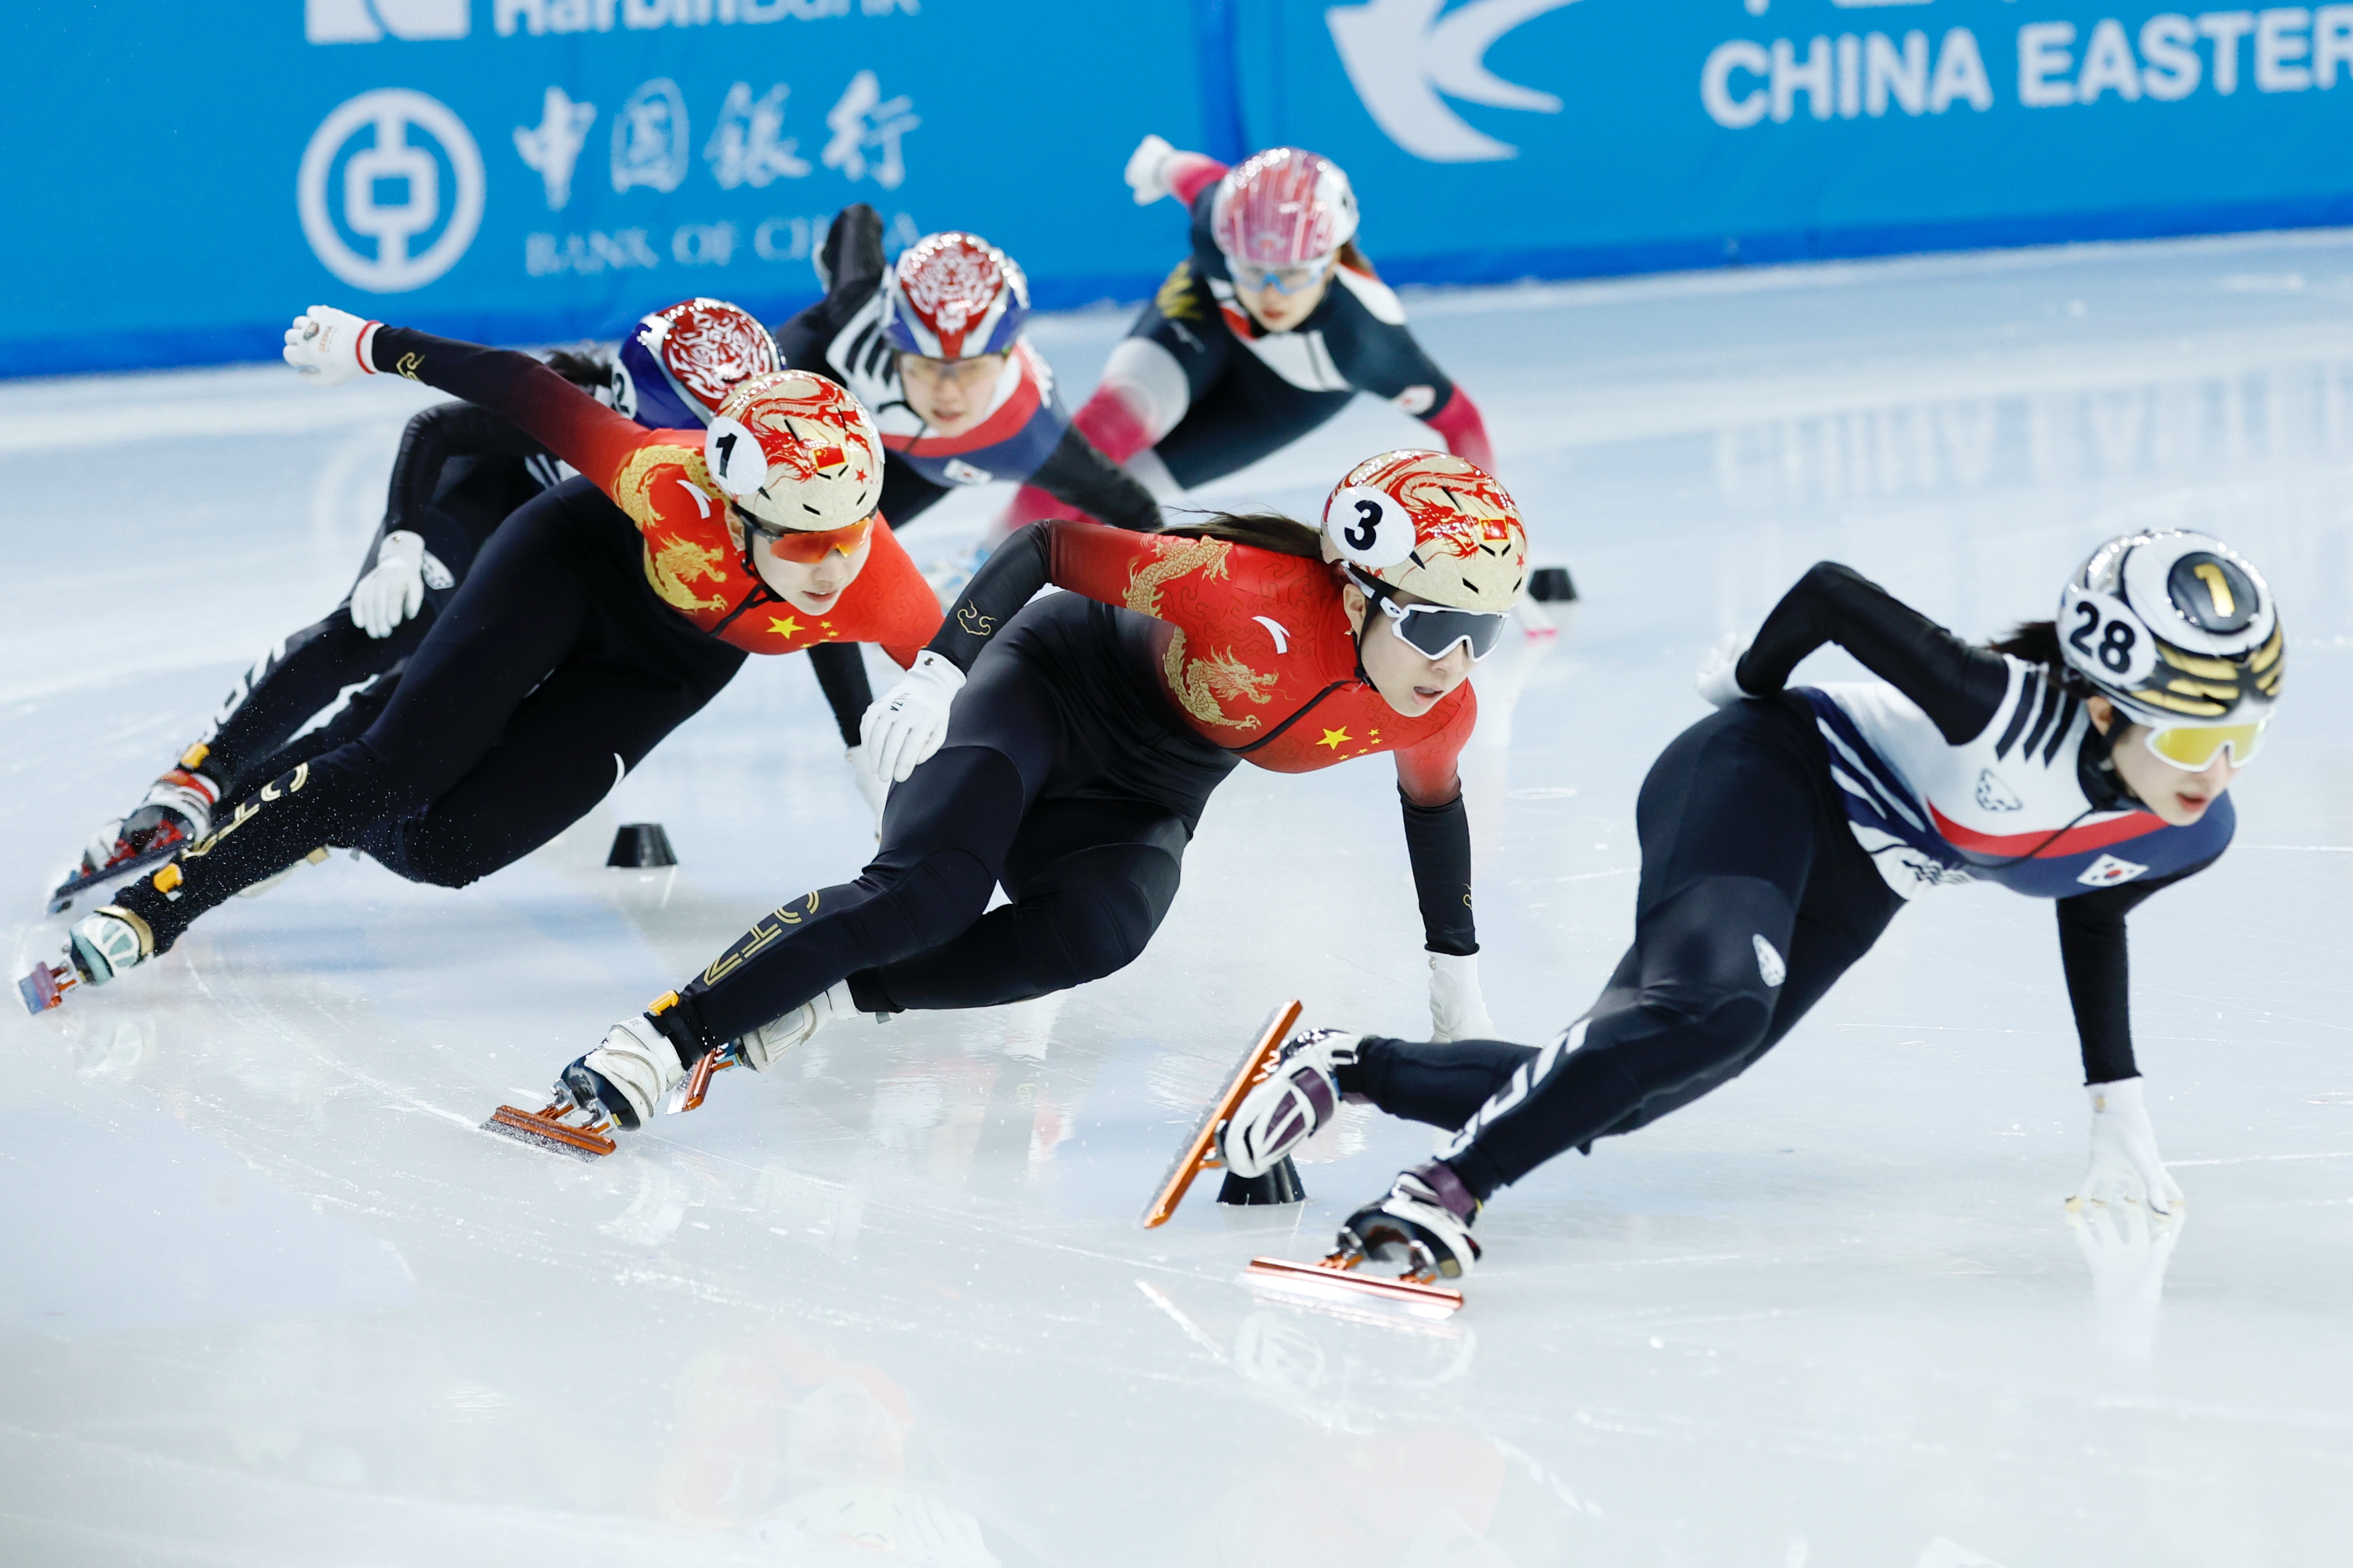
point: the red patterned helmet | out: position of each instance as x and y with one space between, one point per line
1435 526
953 296
1283 207
796 452
678 365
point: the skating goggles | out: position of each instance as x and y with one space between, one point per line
1433 630
808 549
1251 279
2194 750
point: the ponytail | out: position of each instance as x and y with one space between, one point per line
1261 531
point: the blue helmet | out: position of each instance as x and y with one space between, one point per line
953 296
678 365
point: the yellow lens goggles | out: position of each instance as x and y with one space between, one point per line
2194 750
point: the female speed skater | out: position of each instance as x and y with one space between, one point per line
459 472
1271 327
935 345
1085 734
589 630
2083 761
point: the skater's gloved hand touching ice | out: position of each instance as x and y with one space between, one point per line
2125 1166
1456 1010
329 346
1715 679
908 722
393 588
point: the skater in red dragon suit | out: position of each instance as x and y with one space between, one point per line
590 628
1085 735
1271 327
2085 760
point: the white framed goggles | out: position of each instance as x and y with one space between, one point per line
1252 278
1434 630
2194 749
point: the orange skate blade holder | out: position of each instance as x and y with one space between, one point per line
46 986
1337 1275
1199 1153
697 1082
548 1130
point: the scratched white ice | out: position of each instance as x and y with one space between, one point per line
268 1297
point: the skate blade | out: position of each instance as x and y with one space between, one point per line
75 888
688 1095
1333 1281
46 987
542 1129
1199 1153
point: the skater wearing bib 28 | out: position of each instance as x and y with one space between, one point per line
1083 743
591 628
2083 761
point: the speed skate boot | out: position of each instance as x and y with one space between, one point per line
1423 1222
760 1048
100 947
1291 1105
177 811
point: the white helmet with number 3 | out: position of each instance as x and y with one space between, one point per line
1430 524
2177 629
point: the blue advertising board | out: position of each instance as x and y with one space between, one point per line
190 174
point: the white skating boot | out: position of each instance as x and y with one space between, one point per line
177 811
106 943
1424 1222
1297 1098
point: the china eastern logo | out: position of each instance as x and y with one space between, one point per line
390 190
370 21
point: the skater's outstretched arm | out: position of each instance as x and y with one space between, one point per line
850 263
2092 948
1959 686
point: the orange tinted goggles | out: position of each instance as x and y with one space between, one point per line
808 549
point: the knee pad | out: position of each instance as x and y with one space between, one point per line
1719 942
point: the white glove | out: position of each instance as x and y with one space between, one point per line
2129 1249
908 722
330 346
394 589
1457 1011
2125 1166
1147 169
1715 680
870 785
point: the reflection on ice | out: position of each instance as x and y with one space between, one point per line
266 1286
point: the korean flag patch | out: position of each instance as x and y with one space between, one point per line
2108 871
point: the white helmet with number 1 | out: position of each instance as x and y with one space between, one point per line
2177 629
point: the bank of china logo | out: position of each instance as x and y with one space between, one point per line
367 21
390 191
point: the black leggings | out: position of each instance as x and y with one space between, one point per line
1065 777
554 670
1754 898
291 683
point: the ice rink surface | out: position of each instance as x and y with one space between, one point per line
267 1296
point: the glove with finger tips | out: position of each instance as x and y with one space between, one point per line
1457 1009
329 346
2125 1165
395 589
908 722
1718 679
1147 170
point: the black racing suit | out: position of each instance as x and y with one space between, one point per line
1746 837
